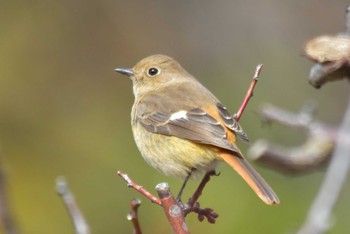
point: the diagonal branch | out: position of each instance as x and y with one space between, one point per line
80 225
139 188
249 93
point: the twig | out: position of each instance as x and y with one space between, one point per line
139 188
80 225
133 217
249 93
172 210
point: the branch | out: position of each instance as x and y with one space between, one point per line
318 219
139 188
332 56
172 210
315 152
133 217
321 209
80 225
249 93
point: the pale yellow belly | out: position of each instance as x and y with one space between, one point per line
173 156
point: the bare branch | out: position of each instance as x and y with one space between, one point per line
318 220
133 217
172 210
249 93
332 56
139 188
315 152
80 225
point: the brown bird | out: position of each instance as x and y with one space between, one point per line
181 128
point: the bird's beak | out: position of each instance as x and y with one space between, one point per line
125 71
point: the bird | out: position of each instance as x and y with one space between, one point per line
181 129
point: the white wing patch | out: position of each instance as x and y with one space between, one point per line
179 115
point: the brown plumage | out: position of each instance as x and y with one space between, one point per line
179 126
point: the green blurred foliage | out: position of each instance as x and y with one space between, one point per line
63 110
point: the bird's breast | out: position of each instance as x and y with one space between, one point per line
171 155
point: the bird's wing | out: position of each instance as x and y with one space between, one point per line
231 123
194 124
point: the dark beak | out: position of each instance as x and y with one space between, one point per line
125 71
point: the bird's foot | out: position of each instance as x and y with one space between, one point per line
202 213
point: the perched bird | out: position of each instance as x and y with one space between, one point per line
181 128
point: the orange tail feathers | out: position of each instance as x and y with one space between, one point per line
252 177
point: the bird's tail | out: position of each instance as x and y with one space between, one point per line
252 177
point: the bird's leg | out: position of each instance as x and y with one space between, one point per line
200 188
193 206
178 198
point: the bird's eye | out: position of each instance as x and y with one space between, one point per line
153 71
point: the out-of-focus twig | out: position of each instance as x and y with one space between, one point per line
6 219
319 216
139 188
315 152
172 209
80 225
133 217
332 56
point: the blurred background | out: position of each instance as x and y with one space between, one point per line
65 112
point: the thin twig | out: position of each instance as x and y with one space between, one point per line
172 210
139 188
80 225
133 217
249 93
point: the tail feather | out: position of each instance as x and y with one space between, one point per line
252 177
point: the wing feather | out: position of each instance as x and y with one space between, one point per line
196 125
231 123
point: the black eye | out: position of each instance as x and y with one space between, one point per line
153 71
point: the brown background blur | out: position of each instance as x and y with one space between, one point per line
64 111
